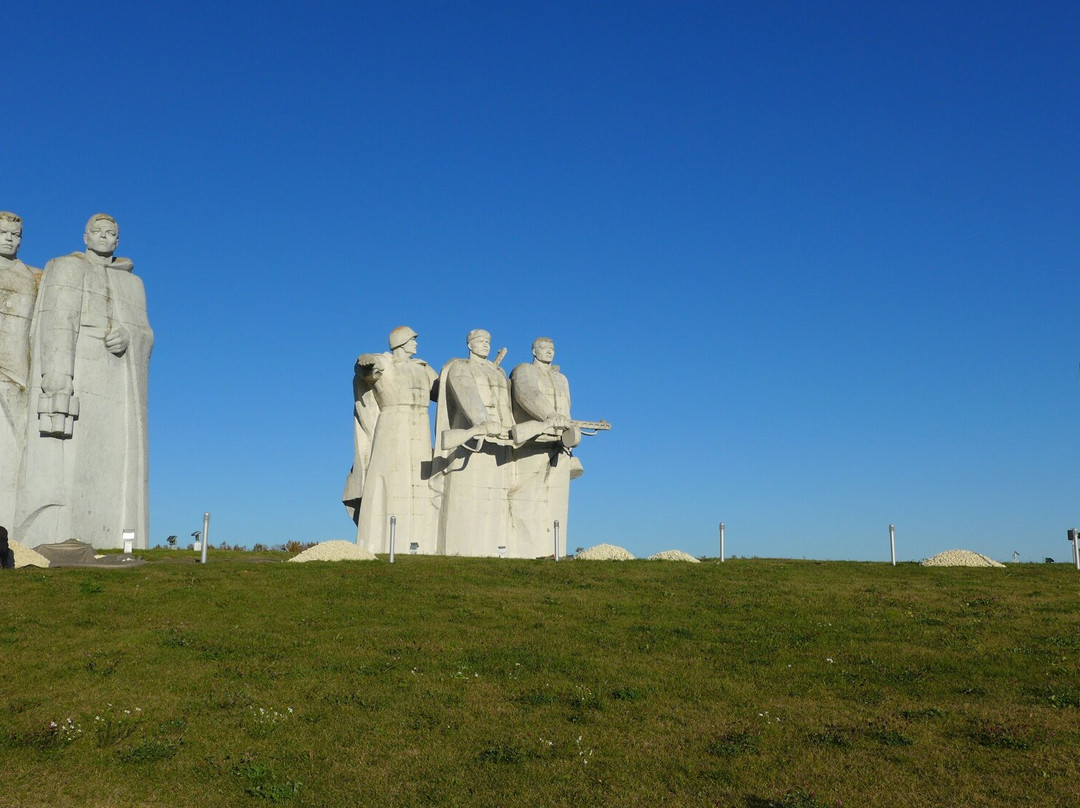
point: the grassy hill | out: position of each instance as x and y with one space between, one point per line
437 681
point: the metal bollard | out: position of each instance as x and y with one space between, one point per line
556 539
721 541
205 534
393 536
892 543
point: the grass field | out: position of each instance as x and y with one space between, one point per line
444 681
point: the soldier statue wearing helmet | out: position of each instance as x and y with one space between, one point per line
392 447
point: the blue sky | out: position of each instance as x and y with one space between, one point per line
817 263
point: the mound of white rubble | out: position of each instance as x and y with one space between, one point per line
337 550
960 558
673 555
604 552
25 557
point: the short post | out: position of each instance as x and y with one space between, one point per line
892 543
393 536
205 534
721 541
556 539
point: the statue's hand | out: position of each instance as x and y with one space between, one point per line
52 383
559 421
371 365
492 429
117 340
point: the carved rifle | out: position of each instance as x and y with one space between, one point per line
453 438
569 436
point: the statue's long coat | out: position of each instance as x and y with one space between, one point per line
94 485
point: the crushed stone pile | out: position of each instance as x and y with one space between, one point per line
673 555
605 552
25 557
337 550
960 558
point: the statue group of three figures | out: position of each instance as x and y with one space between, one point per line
498 479
74 357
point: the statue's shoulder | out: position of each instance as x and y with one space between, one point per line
453 364
71 259
65 266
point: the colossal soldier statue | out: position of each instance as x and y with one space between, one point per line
473 469
86 471
542 466
18 289
392 443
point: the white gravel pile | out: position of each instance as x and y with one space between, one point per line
960 558
605 552
338 550
673 555
25 557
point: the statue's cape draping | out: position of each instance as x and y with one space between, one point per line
442 458
365 416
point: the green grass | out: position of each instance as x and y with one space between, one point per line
458 682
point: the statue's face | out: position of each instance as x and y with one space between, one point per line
102 236
480 345
410 346
544 351
10 238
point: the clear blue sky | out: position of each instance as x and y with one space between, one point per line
816 262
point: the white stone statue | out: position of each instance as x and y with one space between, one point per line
86 471
473 469
543 467
18 290
392 448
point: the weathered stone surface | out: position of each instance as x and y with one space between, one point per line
542 466
472 469
86 462
18 291
392 448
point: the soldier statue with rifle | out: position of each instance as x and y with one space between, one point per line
543 435
472 471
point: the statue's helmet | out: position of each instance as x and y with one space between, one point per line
400 335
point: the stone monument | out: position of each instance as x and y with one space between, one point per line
543 466
392 448
86 470
472 467
18 290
